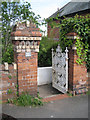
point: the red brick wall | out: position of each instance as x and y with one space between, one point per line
77 73
9 81
27 72
53 32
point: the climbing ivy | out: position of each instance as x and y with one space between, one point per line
80 25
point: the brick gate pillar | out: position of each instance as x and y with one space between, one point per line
78 80
26 38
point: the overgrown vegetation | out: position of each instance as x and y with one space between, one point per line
80 25
88 92
45 52
9 91
9 76
26 100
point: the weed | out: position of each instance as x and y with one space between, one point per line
9 91
16 86
9 76
26 100
70 94
39 96
88 92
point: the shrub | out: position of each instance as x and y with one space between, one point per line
45 52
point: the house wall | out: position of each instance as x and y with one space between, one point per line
54 33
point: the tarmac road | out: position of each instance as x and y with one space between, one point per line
72 107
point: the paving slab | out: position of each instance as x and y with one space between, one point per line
47 90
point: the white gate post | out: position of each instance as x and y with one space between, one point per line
66 69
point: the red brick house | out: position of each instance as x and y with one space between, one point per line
69 10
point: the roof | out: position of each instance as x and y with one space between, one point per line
72 7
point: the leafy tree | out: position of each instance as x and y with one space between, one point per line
11 13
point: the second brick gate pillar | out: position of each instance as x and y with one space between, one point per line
26 38
78 80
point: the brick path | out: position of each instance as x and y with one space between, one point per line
55 97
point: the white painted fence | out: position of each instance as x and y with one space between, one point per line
44 75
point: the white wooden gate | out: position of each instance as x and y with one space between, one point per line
60 69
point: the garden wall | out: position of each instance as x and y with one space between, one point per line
9 80
44 75
9 74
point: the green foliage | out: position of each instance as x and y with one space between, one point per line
17 93
9 76
26 100
45 52
7 54
14 76
80 25
13 12
16 86
9 91
88 92
39 96
70 94
88 60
